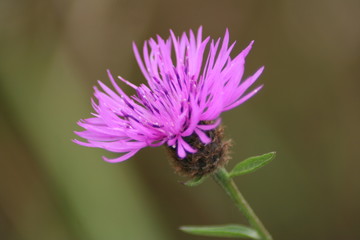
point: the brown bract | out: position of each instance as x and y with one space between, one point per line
207 158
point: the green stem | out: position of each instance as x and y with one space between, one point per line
221 176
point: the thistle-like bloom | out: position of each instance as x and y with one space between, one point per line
187 91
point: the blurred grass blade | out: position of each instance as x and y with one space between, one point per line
195 181
231 231
251 164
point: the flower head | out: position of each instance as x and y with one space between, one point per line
187 91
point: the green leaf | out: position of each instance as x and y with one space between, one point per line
252 164
195 181
232 231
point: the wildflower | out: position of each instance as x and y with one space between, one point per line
181 105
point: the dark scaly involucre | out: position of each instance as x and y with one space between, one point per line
206 159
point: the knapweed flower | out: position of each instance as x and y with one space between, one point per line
190 82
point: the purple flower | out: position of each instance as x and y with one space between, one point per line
186 93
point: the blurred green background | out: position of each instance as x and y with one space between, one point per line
52 53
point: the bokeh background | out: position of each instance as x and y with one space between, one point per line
52 53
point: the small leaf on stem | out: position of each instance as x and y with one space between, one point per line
251 164
232 231
195 181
